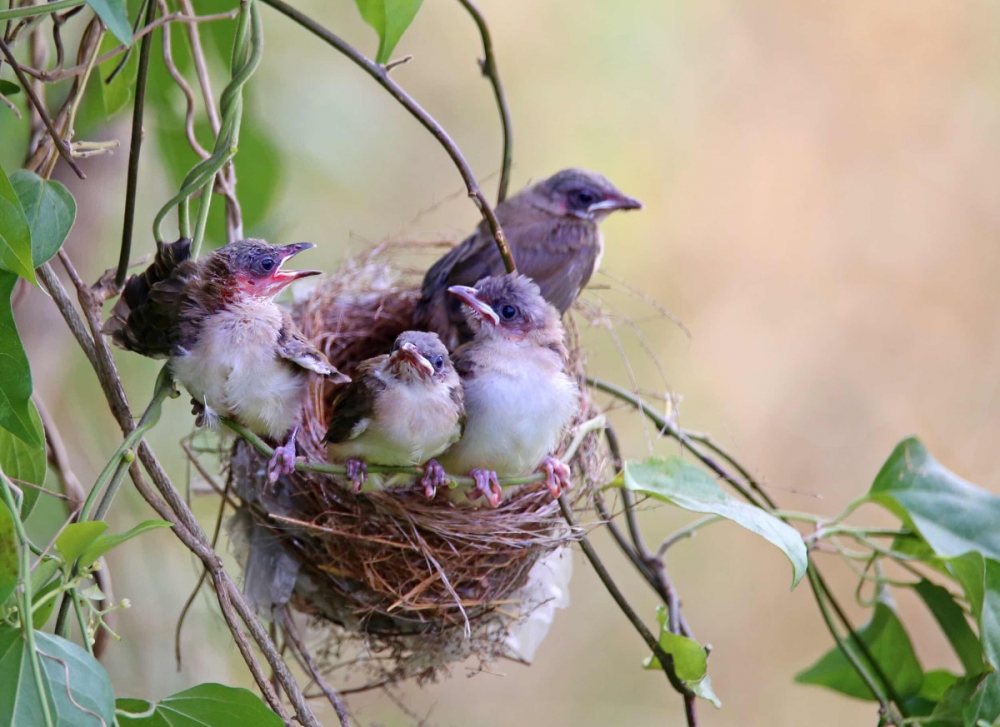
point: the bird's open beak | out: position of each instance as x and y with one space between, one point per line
284 277
470 297
408 353
618 202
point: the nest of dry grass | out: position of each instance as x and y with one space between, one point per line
415 583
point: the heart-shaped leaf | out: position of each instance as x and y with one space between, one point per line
684 485
689 657
953 623
77 686
887 640
49 209
25 462
390 19
206 705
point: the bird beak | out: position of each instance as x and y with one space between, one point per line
408 353
470 297
284 277
618 202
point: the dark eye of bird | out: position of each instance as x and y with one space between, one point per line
507 312
439 362
583 198
267 264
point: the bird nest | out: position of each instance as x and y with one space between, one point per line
411 584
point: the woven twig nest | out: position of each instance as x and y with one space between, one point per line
413 583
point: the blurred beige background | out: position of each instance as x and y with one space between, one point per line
821 185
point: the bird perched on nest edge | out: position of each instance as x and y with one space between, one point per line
233 348
552 230
518 396
403 408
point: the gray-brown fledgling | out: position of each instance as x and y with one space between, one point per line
233 348
552 230
518 396
403 408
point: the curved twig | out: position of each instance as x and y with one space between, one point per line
382 77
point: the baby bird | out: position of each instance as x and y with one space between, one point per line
233 348
552 229
518 396
403 408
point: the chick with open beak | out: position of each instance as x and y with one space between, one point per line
233 348
402 409
518 396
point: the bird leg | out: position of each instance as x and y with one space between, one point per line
486 484
556 475
433 478
205 416
283 460
357 470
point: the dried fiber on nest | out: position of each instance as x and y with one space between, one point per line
417 582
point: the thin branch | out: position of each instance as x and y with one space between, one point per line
666 661
382 77
61 146
298 645
135 144
488 66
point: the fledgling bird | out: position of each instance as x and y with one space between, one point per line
403 408
518 396
236 351
552 230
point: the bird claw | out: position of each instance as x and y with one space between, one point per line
557 476
283 460
433 478
358 472
488 485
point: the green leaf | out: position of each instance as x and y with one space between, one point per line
41 615
116 94
77 537
980 579
948 712
684 485
23 461
8 555
690 659
49 209
951 619
114 14
206 705
104 543
15 373
8 88
889 644
390 19
15 235
984 703
76 685
953 516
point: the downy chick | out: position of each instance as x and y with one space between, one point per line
518 396
233 348
403 409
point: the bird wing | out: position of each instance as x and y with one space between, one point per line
561 261
145 318
355 405
294 347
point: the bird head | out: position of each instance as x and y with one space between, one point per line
581 194
512 307
417 355
254 267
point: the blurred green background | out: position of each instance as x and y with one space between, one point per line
821 185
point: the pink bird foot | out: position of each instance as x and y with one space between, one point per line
283 460
358 472
556 476
486 484
433 478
